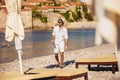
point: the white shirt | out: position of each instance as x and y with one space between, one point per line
60 35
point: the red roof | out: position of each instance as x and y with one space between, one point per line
2 2
3 8
52 7
25 9
27 4
77 3
73 3
37 1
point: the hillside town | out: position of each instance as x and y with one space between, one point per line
43 14
87 49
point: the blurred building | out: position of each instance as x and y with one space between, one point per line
26 15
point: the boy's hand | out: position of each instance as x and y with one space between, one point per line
52 41
66 47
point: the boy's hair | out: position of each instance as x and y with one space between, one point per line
61 21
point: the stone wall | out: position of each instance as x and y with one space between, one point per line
36 24
3 18
87 24
26 16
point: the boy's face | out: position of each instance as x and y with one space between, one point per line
60 23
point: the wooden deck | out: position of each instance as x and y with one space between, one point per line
102 59
40 73
18 76
64 74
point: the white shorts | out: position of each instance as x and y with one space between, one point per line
59 48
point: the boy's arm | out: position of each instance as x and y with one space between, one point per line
66 43
66 39
52 38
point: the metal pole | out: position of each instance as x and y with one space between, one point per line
18 45
20 61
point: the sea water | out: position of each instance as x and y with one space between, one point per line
38 43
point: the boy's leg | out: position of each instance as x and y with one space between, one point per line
57 58
61 58
56 52
61 54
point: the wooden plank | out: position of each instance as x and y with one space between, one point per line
64 74
28 76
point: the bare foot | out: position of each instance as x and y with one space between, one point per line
8 45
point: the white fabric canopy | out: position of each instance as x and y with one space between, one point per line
106 29
14 27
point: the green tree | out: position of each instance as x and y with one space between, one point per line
36 14
40 4
88 15
78 13
84 8
22 7
44 19
66 15
75 16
